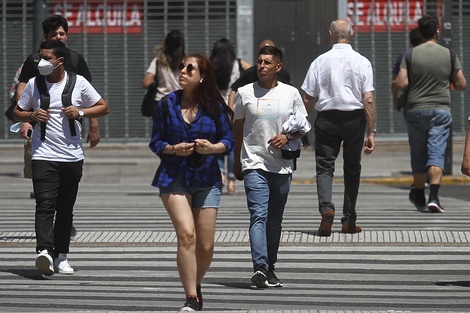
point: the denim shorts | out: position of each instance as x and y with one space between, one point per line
204 197
428 133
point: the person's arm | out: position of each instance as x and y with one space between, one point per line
93 136
309 102
402 79
149 78
19 90
231 99
25 126
394 90
465 168
238 136
369 110
458 79
99 109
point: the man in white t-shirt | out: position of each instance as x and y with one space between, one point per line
340 85
57 158
260 110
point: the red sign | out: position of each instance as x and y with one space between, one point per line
99 16
385 15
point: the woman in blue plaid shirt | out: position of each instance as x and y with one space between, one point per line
191 126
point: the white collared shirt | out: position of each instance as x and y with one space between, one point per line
338 79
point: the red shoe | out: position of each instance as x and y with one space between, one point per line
326 222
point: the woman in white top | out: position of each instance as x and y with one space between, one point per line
168 56
228 69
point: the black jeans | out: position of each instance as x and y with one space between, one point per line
331 129
55 188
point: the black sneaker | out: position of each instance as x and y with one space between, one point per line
190 305
73 231
260 277
199 295
273 281
418 198
435 206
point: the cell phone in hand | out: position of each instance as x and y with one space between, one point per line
30 131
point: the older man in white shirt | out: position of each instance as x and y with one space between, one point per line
339 84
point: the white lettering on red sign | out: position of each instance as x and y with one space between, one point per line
98 17
384 15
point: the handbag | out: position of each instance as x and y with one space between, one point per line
149 104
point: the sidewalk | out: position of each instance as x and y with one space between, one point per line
389 163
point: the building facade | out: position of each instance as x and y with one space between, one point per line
117 38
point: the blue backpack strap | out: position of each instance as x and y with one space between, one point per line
407 57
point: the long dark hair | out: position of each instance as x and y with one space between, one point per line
206 94
222 56
172 51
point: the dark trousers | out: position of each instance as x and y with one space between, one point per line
55 188
333 128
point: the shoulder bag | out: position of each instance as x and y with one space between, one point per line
148 104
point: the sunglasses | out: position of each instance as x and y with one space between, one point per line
189 68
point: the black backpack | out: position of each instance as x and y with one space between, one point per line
72 57
66 99
12 104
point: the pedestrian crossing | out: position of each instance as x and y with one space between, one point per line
133 278
124 256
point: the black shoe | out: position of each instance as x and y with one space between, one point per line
73 231
273 281
260 277
190 305
435 206
418 198
199 295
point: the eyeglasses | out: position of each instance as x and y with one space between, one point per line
189 68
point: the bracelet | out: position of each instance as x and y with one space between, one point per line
213 149
173 149
373 131
31 116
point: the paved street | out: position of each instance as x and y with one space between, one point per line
124 252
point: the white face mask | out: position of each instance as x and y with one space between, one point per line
45 67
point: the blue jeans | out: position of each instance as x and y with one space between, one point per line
266 196
204 197
428 133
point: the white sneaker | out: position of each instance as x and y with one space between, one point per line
44 263
61 265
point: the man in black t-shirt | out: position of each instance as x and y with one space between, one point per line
250 75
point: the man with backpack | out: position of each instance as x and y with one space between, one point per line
53 28
55 100
427 79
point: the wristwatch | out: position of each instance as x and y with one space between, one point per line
81 114
288 136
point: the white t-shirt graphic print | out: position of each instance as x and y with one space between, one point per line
264 111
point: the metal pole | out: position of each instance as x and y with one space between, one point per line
446 39
40 11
